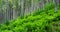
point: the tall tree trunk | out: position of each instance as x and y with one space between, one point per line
7 10
42 4
22 8
32 7
56 2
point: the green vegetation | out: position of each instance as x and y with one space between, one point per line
39 21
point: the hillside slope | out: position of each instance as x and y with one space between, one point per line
40 21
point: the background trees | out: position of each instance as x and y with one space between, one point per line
11 9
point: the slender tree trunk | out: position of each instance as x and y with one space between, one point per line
56 2
42 4
32 7
22 8
7 10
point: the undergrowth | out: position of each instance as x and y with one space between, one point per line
39 21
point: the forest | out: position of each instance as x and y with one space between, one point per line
29 15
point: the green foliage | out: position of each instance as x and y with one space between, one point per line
40 21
